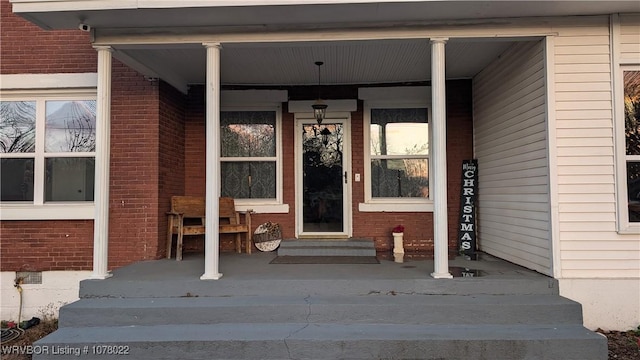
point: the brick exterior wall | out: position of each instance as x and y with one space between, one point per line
459 147
418 226
195 143
171 155
195 162
147 138
44 245
27 49
133 199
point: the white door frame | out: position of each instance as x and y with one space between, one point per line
343 118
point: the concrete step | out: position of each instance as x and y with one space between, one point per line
375 308
325 341
229 286
325 251
327 247
351 242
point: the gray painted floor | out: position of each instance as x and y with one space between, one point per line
257 266
253 274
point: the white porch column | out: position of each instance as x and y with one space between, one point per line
103 145
212 212
439 159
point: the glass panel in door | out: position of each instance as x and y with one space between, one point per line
323 178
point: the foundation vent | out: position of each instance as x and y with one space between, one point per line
30 277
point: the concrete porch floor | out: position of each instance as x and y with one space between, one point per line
253 274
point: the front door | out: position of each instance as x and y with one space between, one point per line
323 178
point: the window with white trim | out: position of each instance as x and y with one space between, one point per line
399 150
631 81
250 160
47 148
397 168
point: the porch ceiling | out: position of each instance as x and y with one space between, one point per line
346 62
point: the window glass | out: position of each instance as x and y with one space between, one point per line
17 126
38 171
69 179
249 180
399 145
17 179
248 133
399 132
399 178
632 141
70 126
248 154
633 187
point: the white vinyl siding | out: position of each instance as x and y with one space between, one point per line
511 148
590 246
510 140
630 39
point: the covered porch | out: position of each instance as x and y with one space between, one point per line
282 78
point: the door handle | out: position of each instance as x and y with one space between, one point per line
345 177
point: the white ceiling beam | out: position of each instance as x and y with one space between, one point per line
20 6
167 76
200 35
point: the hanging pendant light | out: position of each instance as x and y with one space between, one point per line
319 107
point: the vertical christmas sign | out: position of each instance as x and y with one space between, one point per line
467 226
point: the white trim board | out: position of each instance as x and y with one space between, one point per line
48 81
304 106
397 94
253 97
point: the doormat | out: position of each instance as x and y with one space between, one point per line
325 260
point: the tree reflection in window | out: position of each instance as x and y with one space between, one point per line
632 141
32 171
399 146
70 126
17 126
248 149
323 151
323 177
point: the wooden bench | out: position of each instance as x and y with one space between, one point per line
187 217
